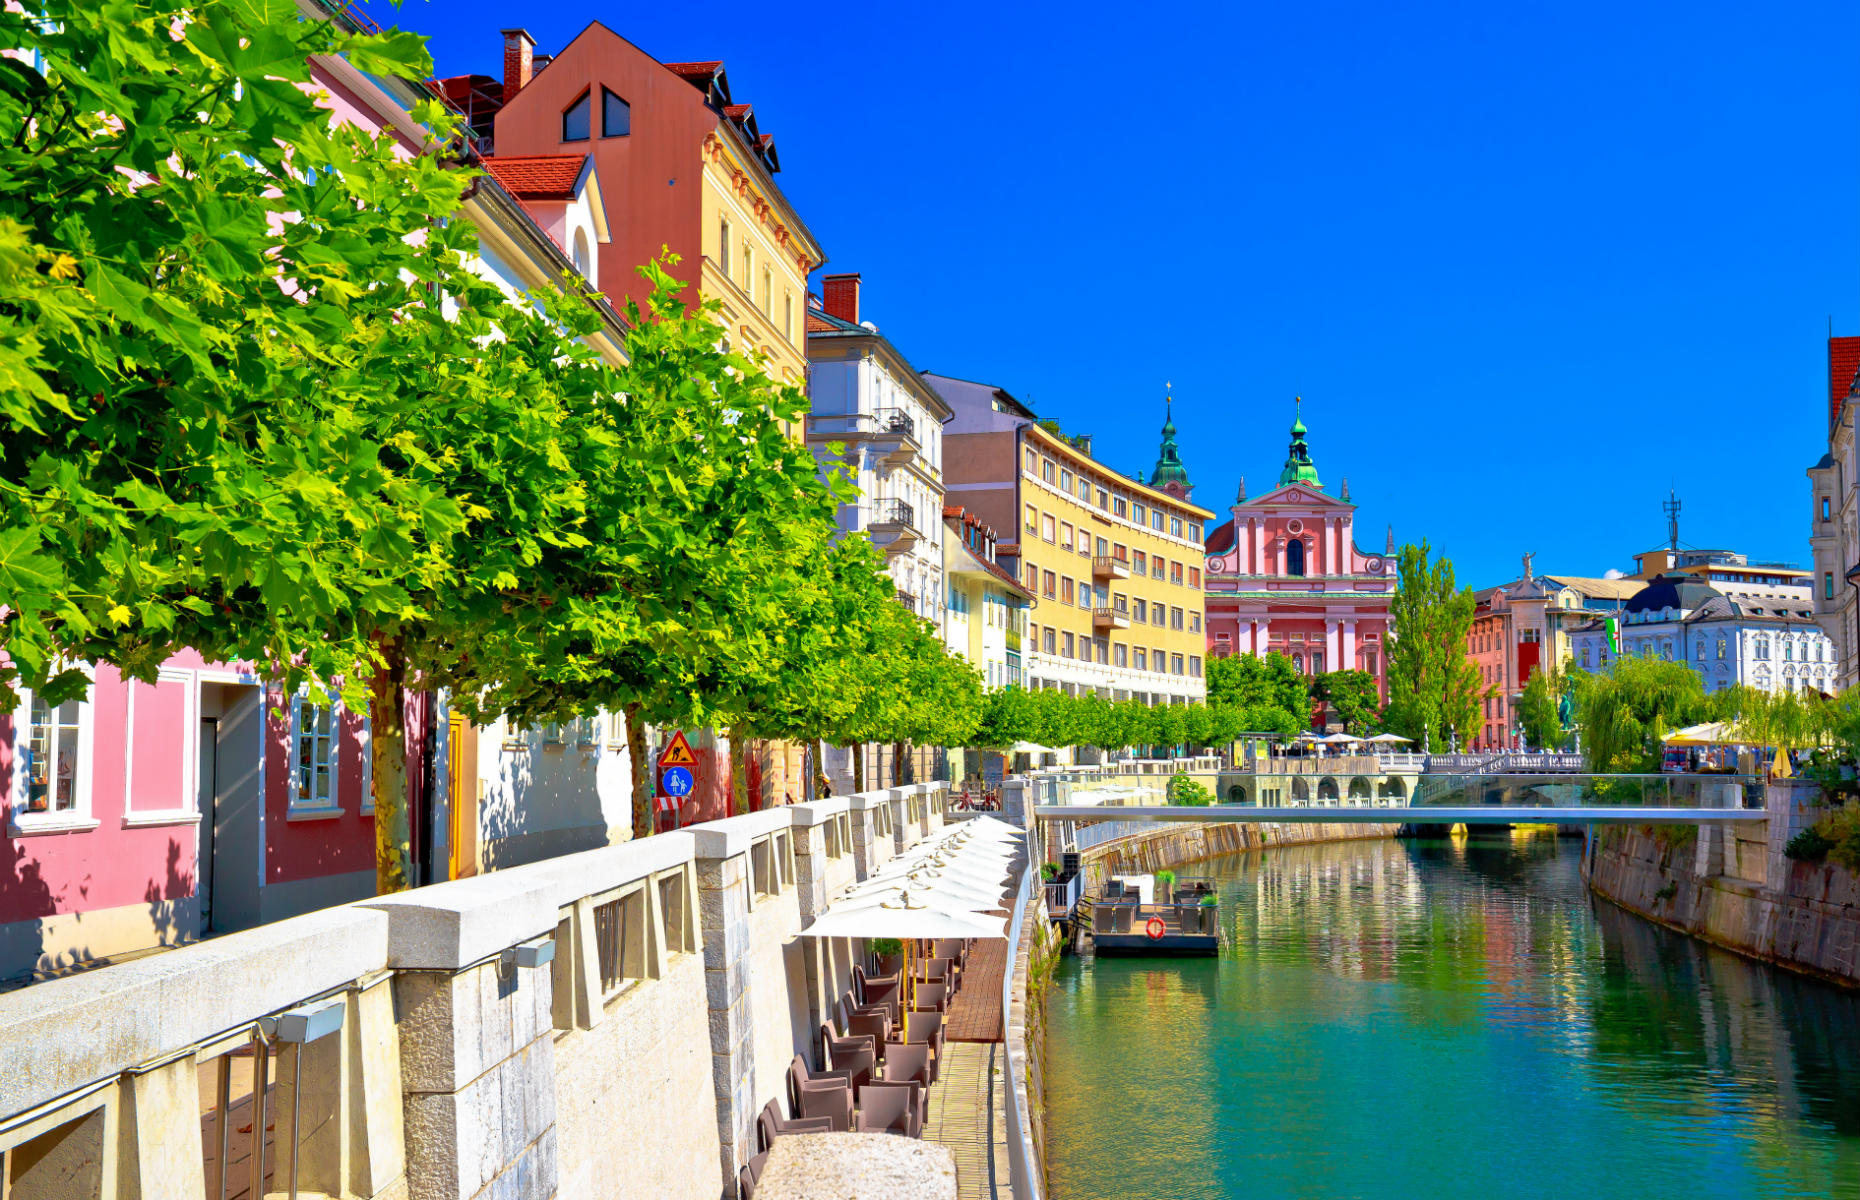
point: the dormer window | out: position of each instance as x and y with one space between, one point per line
616 115
575 119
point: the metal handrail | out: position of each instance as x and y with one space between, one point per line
1023 1174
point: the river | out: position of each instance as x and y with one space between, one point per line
1445 1019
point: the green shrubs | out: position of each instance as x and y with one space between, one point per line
1049 871
1165 882
1836 837
1808 846
1183 790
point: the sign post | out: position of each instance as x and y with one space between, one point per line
676 781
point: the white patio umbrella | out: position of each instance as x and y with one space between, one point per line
906 918
1390 738
946 894
1340 739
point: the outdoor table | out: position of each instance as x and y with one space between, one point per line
857 1166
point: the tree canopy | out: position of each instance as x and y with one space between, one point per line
1433 689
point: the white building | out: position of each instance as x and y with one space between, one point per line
1770 644
986 621
866 398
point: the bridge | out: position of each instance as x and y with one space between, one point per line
1479 799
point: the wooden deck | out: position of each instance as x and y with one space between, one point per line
975 1014
966 1113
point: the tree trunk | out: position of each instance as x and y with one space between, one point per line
823 787
858 755
640 769
388 737
739 771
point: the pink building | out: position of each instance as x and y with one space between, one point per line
1285 574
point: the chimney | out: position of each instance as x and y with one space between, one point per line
519 51
840 296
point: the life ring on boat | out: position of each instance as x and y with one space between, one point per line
1155 928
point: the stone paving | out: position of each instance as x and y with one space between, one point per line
965 1114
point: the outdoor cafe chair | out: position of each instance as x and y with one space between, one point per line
859 1055
906 1062
889 1110
926 1028
770 1124
825 1094
930 996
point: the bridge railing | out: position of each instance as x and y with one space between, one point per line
1560 790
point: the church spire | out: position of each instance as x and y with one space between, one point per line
1169 468
1298 465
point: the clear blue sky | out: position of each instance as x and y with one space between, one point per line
1527 265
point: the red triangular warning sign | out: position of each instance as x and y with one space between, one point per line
678 754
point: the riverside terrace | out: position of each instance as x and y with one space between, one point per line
619 1022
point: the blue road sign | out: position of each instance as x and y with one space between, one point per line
676 781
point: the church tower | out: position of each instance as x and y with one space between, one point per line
1169 474
1298 465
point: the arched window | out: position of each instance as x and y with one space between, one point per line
1788 650
575 119
1298 663
1294 557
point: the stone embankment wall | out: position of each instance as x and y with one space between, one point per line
1171 846
599 1026
1735 888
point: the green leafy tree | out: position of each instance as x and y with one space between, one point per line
1248 680
1008 717
1351 699
1625 711
1433 688
1540 708
1184 790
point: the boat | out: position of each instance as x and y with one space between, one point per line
1129 917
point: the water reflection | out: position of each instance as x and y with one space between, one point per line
1451 1018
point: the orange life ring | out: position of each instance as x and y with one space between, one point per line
1155 928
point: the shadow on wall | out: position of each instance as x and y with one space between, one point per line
170 920
27 901
545 802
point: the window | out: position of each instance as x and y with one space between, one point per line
575 119
1194 533
1826 512
1294 558
1085 490
768 291
1138 512
723 246
616 115
1156 567
1159 660
1827 585
1031 460
1032 520
1104 548
1142 610
1194 622
1156 519
1120 655
1175 618
1065 481
1047 645
1142 659
787 315
1698 651
1788 650
1065 591
1194 666
1068 645
1139 562
1120 506
749 264
1585 653
1175 573
1104 498
52 777
1033 577
1369 661
1049 529
1051 584
1120 552
1194 577
1175 526
1046 470
1317 662
1065 535
314 730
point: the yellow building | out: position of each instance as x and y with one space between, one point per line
985 619
1114 564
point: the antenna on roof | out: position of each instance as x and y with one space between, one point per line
1671 507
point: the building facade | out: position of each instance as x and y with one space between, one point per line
1834 519
1285 575
1773 646
684 166
865 398
1114 562
987 615
1526 624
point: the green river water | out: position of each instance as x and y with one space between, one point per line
1445 1019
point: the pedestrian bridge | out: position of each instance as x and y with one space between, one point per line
1483 799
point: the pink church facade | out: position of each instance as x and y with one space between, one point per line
1284 574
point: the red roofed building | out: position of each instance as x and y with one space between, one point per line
1834 523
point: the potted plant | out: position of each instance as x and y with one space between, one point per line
1049 871
1165 886
890 955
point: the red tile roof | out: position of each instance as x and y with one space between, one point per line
694 70
736 112
1843 362
538 176
819 324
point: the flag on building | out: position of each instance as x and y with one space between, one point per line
1613 626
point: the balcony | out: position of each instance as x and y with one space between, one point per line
892 526
891 432
1109 618
907 599
1107 567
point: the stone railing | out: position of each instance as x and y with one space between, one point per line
602 1024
